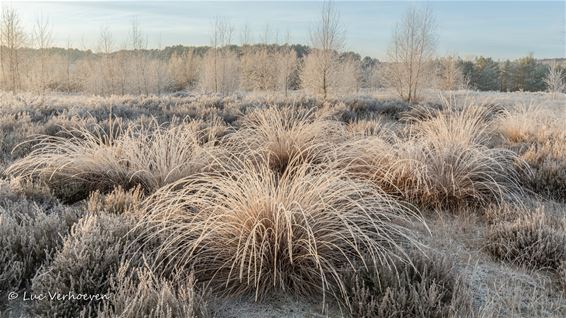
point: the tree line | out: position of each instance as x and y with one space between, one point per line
28 62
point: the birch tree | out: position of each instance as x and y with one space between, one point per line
411 53
320 69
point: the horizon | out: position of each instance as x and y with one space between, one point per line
465 28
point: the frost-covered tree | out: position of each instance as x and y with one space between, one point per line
321 66
554 79
449 74
220 72
41 38
350 75
411 53
12 40
287 66
184 69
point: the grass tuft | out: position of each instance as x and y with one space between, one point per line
249 229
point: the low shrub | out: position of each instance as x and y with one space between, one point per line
426 287
535 241
85 264
29 235
139 292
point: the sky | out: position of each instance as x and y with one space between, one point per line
499 29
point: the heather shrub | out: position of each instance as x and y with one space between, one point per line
426 287
85 263
562 275
14 129
548 163
246 229
29 234
536 241
139 292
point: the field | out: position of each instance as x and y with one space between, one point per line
261 205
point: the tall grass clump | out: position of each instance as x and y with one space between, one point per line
248 229
539 138
84 159
445 160
282 135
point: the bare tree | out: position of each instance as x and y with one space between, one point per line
220 73
245 35
411 53
287 65
327 38
554 79
105 46
450 75
12 39
139 44
41 37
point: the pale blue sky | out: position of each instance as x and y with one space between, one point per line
501 29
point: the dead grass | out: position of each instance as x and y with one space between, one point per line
124 156
283 135
444 162
249 229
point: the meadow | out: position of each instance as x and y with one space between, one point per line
266 205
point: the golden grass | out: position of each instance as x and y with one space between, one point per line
444 161
249 229
126 155
283 135
539 138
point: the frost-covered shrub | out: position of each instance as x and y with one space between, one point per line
536 241
29 234
85 263
429 287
